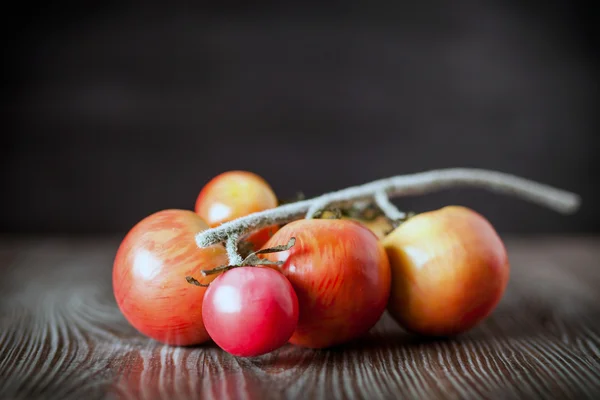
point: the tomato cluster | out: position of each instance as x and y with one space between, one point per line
438 273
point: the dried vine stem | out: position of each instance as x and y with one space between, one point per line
379 191
232 249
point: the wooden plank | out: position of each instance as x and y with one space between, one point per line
62 336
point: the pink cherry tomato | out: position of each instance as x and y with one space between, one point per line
249 311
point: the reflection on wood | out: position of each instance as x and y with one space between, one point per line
62 336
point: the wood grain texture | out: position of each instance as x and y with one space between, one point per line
62 337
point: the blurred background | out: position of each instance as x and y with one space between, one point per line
113 112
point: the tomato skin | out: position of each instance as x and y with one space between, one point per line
341 275
235 194
249 311
380 226
449 271
149 277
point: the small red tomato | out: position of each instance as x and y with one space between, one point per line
149 276
449 270
249 311
235 194
341 275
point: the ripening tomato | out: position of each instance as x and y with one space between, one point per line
235 194
449 271
149 276
249 311
380 226
341 275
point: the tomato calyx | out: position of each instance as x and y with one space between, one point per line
328 213
366 211
252 260
193 281
362 211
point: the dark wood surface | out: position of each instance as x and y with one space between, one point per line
62 337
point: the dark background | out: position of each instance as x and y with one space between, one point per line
111 113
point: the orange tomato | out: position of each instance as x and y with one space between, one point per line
235 194
149 276
449 271
380 226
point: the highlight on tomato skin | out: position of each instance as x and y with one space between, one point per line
449 271
250 311
149 277
235 194
341 275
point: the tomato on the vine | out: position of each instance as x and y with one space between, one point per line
235 194
249 311
449 271
341 275
149 276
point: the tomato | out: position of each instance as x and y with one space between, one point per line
449 270
149 276
249 311
341 275
235 194
380 226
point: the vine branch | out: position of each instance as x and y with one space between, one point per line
231 245
379 191
391 211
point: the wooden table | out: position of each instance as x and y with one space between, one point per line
62 337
